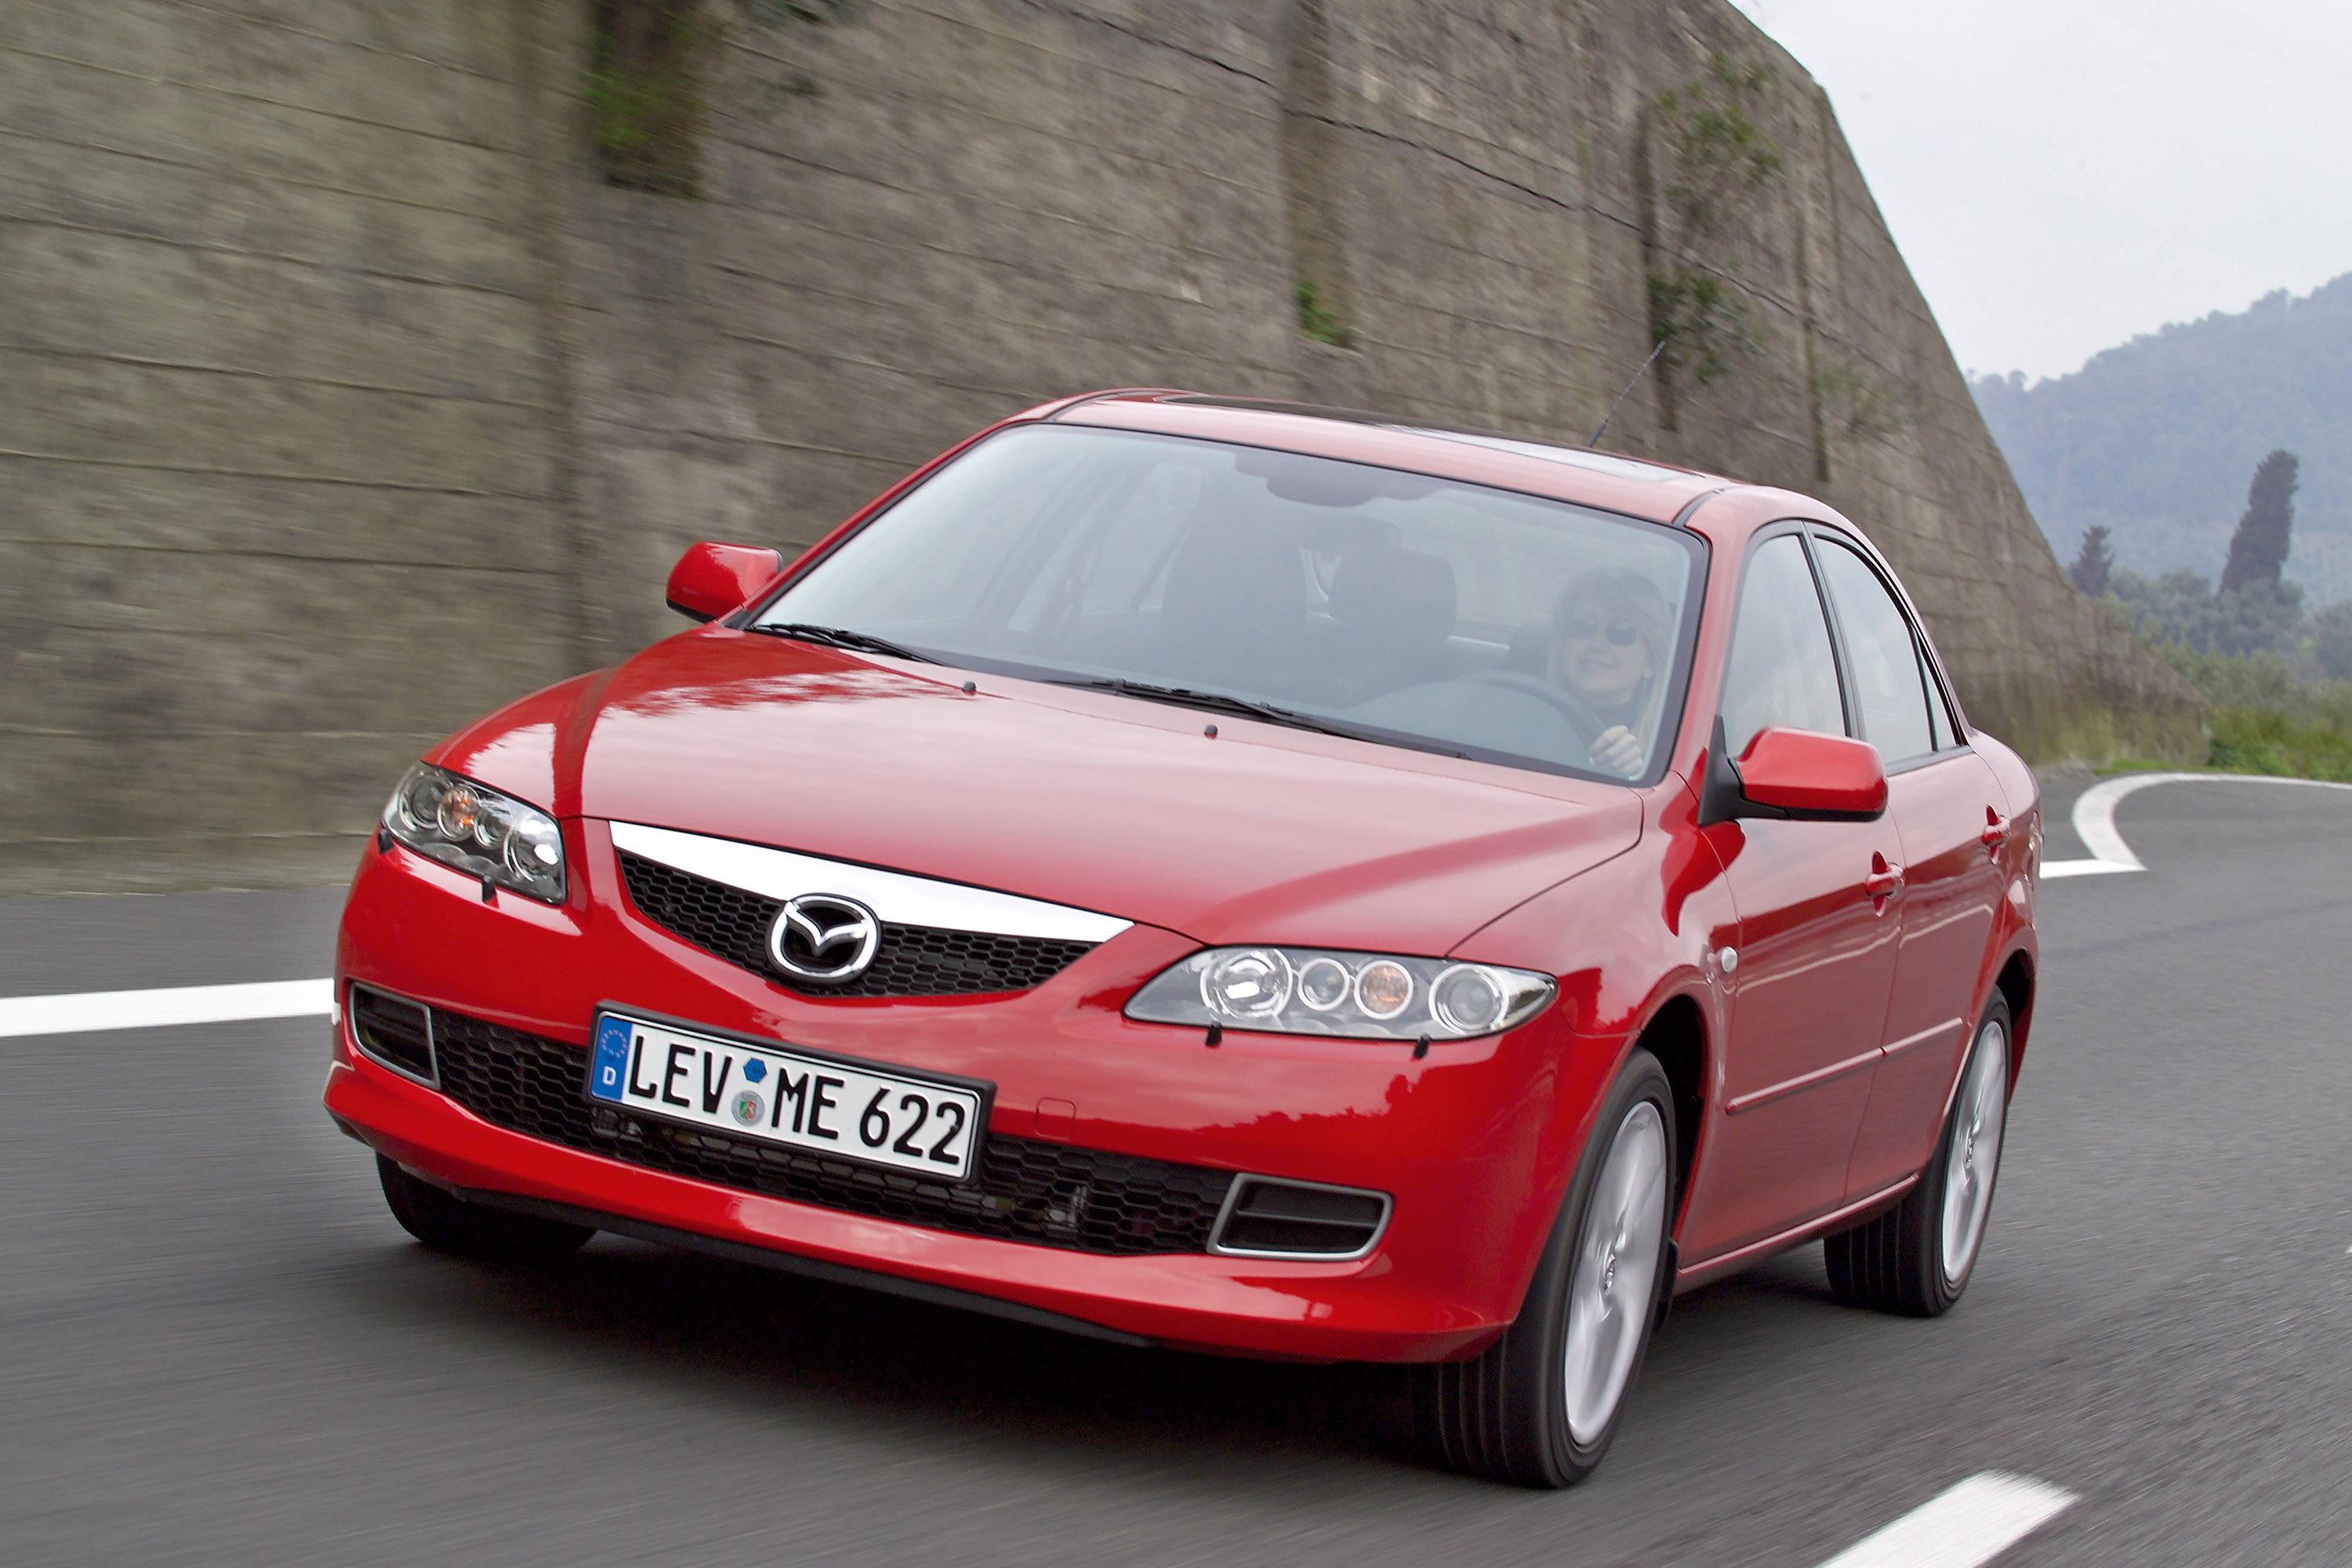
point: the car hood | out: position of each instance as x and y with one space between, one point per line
1100 802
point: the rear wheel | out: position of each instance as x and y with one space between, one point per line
1916 1258
448 1223
1540 1407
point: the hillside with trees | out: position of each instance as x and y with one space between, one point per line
2154 439
2277 682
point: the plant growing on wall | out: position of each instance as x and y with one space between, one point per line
1317 319
1856 400
1711 156
647 64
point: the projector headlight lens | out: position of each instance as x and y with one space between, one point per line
477 830
1467 997
1360 995
1324 983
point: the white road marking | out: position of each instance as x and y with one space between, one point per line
2095 818
80 1012
1973 1522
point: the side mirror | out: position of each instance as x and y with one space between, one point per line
1796 775
711 579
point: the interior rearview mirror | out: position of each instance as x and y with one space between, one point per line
1793 775
711 579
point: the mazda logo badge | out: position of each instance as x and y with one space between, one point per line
824 939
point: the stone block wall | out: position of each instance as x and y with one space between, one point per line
340 400
277 464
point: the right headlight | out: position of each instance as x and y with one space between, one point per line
449 817
1323 991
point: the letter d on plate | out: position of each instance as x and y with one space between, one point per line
612 1053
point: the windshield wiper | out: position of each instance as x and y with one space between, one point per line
841 636
1244 708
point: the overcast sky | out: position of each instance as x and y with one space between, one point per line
2064 174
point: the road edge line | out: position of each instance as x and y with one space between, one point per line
83 1012
1970 1523
2093 818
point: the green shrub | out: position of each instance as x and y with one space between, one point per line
2263 741
2262 722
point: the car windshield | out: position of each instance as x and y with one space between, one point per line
1397 607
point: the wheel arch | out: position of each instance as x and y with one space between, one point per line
1676 1036
2015 984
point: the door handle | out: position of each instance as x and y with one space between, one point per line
1996 831
1885 880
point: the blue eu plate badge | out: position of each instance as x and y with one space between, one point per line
611 1056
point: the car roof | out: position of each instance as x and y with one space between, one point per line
1634 485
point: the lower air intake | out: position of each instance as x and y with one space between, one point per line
1270 1218
396 1033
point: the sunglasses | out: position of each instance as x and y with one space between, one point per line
1580 628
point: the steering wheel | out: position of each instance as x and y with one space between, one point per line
1579 715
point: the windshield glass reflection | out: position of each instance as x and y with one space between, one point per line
1395 606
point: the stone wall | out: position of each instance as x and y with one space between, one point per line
280 496
342 400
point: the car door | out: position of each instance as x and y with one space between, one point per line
1809 979
1946 807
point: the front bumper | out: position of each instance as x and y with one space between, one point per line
1471 1142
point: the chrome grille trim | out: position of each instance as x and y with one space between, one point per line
894 896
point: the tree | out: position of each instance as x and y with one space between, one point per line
2182 609
2097 559
2259 547
2332 640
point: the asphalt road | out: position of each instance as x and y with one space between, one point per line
215 1345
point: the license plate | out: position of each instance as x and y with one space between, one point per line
804 1100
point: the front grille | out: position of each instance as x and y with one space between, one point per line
1053 1193
911 961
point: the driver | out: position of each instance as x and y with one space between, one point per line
1610 633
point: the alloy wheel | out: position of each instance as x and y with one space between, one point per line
1614 1288
1978 1119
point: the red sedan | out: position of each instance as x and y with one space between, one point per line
1240 876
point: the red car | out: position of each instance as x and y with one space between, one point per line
1240 876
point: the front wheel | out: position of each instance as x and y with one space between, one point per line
1915 1258
448 1223
1540 1407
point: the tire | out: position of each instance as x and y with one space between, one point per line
446 1223
1539 1406
1915 1258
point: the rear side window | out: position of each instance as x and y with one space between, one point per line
1938 716
1890 686
1781 672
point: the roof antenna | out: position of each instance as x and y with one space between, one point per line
1623 396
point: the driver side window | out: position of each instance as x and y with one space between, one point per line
1781 670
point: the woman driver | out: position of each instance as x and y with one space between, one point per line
1609 643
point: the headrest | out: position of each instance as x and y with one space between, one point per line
1400 595
1227 576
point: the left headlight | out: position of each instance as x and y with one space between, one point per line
450 818
1321 991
